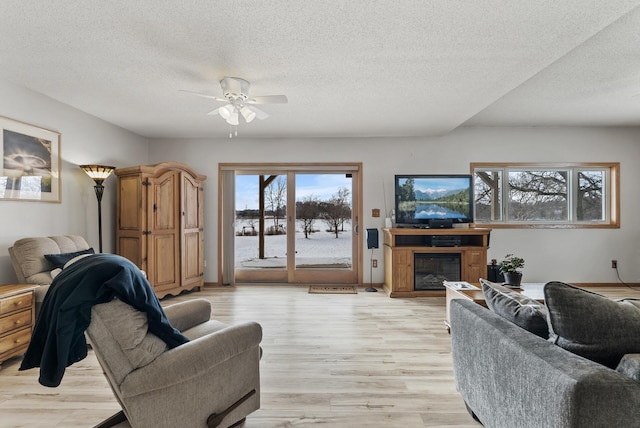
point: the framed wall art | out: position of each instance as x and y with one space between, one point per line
30 169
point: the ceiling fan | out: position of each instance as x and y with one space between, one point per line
236 94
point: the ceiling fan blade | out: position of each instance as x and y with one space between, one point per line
212 97
213 112
259 113
268 99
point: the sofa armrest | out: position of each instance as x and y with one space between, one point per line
194 359
185 315
506 374
16 266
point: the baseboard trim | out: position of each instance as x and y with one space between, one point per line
211 284
381 285
363 285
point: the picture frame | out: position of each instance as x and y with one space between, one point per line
30 168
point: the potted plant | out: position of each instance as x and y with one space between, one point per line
510 267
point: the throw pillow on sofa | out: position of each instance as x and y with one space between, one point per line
521 310
630 366
59 260
592 325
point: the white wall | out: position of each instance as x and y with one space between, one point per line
84 139
578 255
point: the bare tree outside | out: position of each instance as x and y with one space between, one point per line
275 197
538 195
590 196
307 211
541 195
337 210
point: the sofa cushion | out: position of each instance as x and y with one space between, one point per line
521 310
29 256
591 325
59 260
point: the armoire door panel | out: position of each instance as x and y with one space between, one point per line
164 230
192 232
130 247
191 258
165 197
130 198
191 195
166 273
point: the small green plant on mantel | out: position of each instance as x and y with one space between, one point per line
511 264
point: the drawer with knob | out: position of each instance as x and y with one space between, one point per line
17 315
17 341
15 303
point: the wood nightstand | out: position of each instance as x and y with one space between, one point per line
17 317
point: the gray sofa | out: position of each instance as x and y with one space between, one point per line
509 377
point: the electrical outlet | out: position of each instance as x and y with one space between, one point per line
374 263
614 264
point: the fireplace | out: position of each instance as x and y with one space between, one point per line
430 269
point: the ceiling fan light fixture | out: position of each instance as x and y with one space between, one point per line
226 111
248 114
236 96
233 119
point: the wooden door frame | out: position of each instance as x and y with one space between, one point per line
289 166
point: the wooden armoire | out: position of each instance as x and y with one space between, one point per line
160 224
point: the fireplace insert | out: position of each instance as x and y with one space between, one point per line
430 269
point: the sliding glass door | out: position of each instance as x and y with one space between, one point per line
326 227
293 223
260 226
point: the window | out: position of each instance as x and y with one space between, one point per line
546 195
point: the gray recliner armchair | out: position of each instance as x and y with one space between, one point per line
212 380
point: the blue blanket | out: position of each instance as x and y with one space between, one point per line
58 338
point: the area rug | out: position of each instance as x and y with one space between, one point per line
332 289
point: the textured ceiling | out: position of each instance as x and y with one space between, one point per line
349 68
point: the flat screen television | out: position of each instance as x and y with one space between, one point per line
433 200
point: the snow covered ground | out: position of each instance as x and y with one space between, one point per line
321 249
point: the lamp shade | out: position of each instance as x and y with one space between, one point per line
233 119
247 113
98 172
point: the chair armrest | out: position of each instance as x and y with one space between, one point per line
193 359
185 315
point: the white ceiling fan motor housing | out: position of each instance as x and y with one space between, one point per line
235 89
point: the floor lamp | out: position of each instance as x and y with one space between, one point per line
98 173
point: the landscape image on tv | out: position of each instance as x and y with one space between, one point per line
423 198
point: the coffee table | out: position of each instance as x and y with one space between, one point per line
532 290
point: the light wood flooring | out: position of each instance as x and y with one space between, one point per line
337 360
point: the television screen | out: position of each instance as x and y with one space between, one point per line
420 199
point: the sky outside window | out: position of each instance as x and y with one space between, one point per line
320 186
